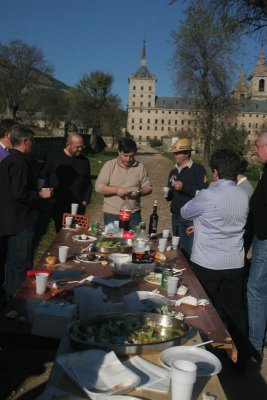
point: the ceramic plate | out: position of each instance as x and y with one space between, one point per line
84 258
153 278
84 238
207 363
156 298
98 373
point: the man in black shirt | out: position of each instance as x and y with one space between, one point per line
185 180
69 173
18 208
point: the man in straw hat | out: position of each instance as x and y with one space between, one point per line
184 182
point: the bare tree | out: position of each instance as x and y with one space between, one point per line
23 71
201 59
244 16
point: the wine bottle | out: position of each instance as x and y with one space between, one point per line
153 221
125 215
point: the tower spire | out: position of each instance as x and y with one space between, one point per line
143 57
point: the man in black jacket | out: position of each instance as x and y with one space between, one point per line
185 180
18 208
68 172
257 281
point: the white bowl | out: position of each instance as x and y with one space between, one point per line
121 262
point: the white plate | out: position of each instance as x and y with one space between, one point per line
89 239
154 278
207 363
119 398
82 258
98 373
157 298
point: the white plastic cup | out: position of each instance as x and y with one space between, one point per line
41 282
175 242
162 244
166 191
63 253
172 284
74 208
165 233
68 221
183 377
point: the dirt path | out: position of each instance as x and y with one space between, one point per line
24 373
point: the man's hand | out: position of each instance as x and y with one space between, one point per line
46 193
122 191
177 185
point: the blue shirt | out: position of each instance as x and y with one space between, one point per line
219 214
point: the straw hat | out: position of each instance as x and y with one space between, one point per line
182 145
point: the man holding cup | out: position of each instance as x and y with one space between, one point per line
184 182
18 204
68 172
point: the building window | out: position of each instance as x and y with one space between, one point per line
156 121
162 112
156 111
156 128
148 121
148 128
162 121
147 138
149 96
141 95
149 104
176 112
140 138
169 122
132 127
133 95
140 120
256 125
175 129
170 112
149 88
134 87
133 103
142 88
182 122
189 122
257 116
140 128
175 122
141 104
169 129
132 120
162 128
261 85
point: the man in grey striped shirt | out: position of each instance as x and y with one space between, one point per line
219 214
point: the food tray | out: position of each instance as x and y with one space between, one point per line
117 245
128 349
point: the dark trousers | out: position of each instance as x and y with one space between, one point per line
3 252
225 289
19 259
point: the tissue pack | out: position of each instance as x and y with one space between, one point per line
51 318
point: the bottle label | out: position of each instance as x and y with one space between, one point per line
125 215
128 234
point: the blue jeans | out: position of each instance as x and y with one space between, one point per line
257 294
19 259
135 219
179 226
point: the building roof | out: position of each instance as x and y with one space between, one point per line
143 71
260 68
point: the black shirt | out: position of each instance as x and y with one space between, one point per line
258 207
18 199
69 176
193 179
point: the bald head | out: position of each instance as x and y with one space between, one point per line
74 144
261 147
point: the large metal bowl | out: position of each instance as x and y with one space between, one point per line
127 349
117 245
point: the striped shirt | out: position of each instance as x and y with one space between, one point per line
219 214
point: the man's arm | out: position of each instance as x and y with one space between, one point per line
200 182
195 207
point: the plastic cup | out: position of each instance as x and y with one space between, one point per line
162 244
166 191
41 282
165 233
68 221
74 208
175 242
172 284
63 253
183 377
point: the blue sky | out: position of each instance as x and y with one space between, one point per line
80 36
